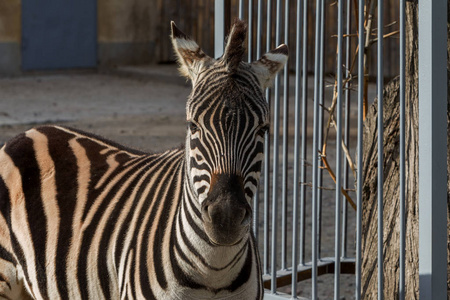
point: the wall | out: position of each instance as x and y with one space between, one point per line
10 36
127 31
195 18
137 31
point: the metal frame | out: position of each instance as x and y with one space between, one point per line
432 149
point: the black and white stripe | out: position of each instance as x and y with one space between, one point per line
84 218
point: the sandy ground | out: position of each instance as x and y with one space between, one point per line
144 108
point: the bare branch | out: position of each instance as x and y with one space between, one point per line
387 35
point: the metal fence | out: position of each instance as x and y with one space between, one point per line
292 213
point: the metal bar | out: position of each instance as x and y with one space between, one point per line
285 155
337 227
276 134
295 187
380 181
269 25
315 153
259 30
320 138
268 296
360 149
267 157
325 266
250 49
280 296
402 153
241 9
432 149
250 30
258 55
304 133
219 27
346 126
266 194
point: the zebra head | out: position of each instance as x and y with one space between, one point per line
227 118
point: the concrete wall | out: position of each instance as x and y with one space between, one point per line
10 36
127 31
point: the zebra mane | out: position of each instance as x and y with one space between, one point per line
235 47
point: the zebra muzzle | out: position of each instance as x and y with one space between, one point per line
226 213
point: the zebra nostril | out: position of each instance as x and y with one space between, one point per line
206 213
247 217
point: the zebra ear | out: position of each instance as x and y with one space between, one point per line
235 48
189 55
270 64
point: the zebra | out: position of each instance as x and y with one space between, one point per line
82 217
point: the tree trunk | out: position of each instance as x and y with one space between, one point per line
391 188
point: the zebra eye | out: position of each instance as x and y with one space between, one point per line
262 130
193 127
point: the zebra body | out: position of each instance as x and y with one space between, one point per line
85 218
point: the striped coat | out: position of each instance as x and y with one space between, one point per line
85 218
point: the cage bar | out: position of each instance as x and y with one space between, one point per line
315 158
337 226
359 148
304 73
320 138
296 177
285 155
267 157
219 27
276 158
346 125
